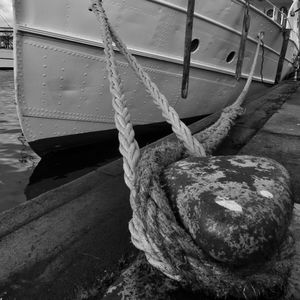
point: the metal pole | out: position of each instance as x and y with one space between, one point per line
245 30
187 48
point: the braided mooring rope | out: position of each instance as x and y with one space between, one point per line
153 227
180 129
213 135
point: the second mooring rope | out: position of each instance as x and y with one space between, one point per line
213 135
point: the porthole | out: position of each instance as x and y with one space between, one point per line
230 57
194 45
269 12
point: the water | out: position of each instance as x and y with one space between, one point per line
17 161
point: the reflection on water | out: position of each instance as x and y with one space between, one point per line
17 161
58 169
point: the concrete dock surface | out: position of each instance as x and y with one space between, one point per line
279 139
270 127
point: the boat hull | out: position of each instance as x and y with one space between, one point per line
62 86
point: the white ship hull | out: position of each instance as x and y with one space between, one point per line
62 88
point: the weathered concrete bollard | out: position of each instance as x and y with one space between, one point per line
237 209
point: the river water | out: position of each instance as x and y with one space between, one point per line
17 161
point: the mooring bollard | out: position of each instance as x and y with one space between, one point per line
237 208
218 226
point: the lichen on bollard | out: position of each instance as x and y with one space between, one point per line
237 209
